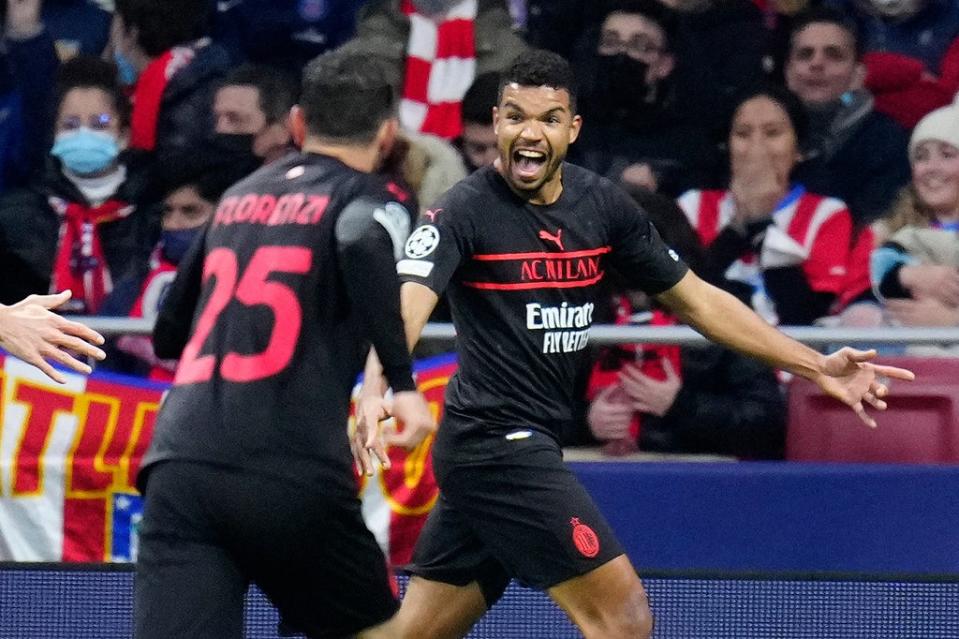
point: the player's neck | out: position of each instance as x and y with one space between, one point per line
360 158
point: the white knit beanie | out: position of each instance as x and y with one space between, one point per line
941 124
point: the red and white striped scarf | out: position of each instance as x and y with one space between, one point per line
80 264
440 67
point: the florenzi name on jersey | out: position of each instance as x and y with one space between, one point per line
564 316
271 210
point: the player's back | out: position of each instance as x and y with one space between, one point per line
274 350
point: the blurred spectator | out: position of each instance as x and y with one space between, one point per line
190 196
252 109
432 50
777 246
778 16
701 399
853 153
477 143
28 67
916 270
636 130
720 47
920 29
177 69
284 33
431 166
556 25
88 219
77 26
911 53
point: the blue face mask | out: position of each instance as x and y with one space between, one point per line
85 151
127 73
176 243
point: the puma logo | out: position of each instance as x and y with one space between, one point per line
555 239
432 213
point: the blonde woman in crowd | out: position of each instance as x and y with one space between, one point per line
915 269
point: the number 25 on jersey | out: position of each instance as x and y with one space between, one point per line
253 289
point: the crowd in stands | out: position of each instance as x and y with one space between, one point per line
802 154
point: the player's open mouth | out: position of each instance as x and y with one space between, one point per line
527 163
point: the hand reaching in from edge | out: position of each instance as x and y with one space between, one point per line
30 331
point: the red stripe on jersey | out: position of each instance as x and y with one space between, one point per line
527 286
707 222
565 255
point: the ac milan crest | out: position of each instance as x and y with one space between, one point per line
586 541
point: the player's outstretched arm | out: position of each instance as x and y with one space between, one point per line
30 331
417 303
848 374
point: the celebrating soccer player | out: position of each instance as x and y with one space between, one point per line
520 249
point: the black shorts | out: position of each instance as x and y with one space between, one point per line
207 532
522 515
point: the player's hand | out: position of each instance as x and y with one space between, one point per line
31 332
849 376
411 409
366 439
610 414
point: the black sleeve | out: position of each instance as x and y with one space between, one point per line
366 241
638 252
171 331
732 405
441 241
796 303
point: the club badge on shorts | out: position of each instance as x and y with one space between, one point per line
585 540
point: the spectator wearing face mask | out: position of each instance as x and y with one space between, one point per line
191 193
162 51
89 217
638 132
251 110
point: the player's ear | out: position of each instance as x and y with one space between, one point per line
298 127
386 135
574 127
496 120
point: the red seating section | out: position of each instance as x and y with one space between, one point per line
921 424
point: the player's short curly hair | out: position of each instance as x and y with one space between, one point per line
540 68
346 96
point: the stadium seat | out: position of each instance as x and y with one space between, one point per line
921 424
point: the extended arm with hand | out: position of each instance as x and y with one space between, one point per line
30 331
417 303
847 374
369 274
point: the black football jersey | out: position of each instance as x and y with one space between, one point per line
278 334
522 282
